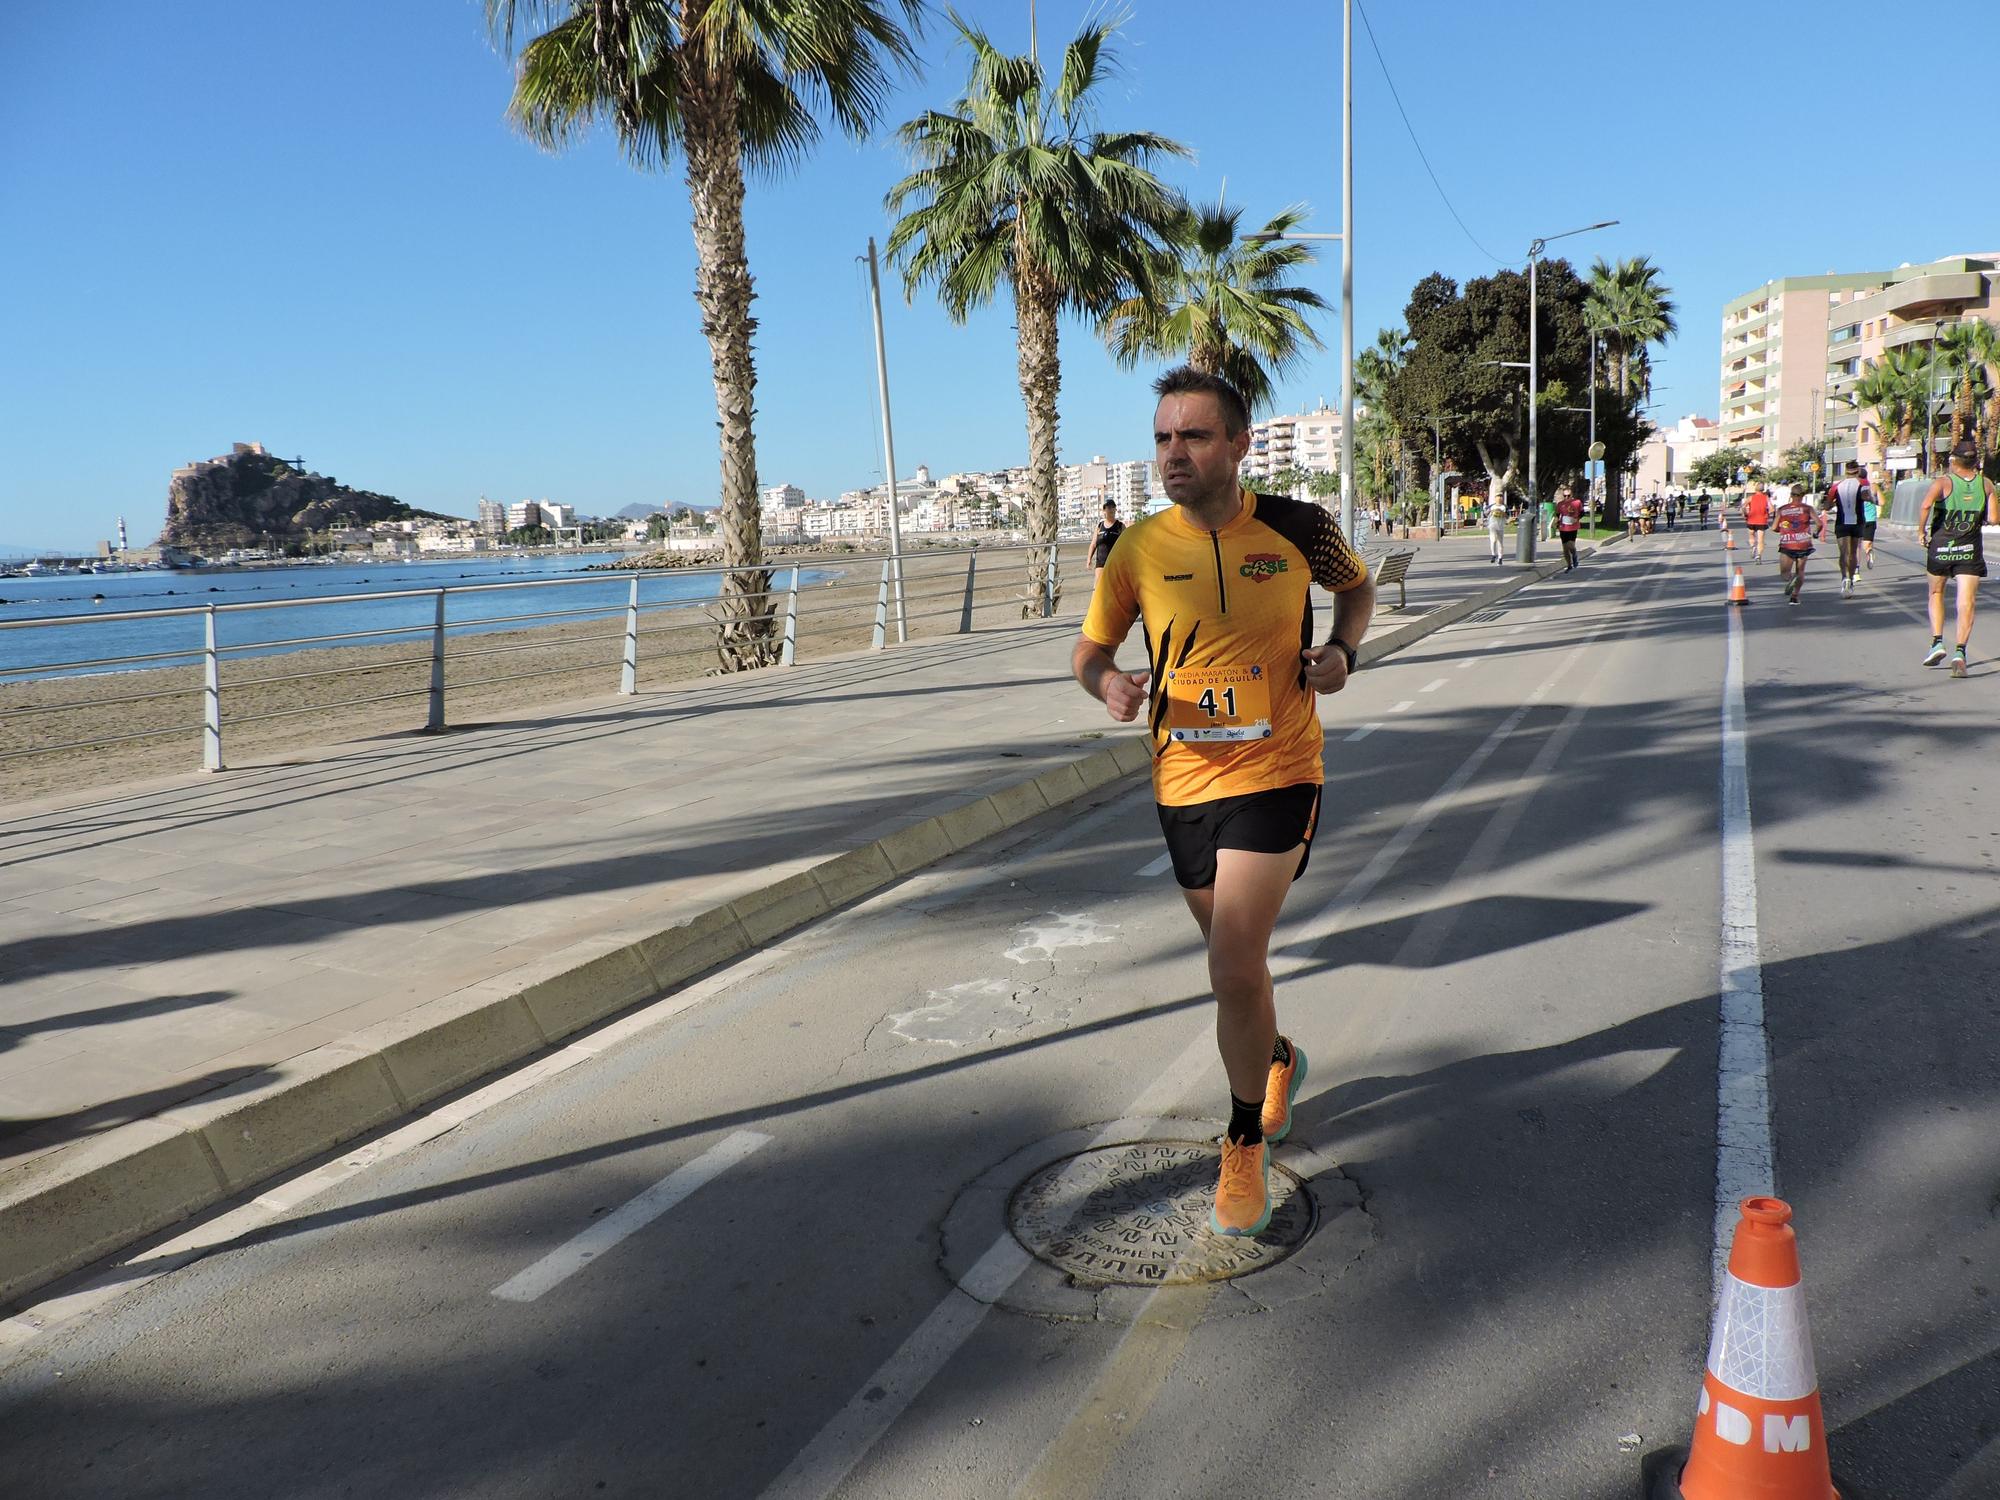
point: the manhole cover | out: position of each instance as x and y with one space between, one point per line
1136 1214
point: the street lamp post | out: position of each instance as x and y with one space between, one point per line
1524 538
1346 238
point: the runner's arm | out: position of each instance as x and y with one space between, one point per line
1353 608
1992 505
1123 693
1924 513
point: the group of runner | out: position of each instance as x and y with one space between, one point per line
1955 506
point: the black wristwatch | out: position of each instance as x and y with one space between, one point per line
1345 650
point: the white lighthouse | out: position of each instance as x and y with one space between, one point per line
122 543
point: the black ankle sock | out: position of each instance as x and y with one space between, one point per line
1281 1052
1246 1121
1937 640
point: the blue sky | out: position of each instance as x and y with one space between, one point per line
310 225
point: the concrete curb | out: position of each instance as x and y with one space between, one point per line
61 1211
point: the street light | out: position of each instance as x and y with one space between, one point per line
1346 238
1524 538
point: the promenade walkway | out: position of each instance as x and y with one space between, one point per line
180 945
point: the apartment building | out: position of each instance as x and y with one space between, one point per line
1668 457
492 517
1774 360
1910 307
1304 440
1082 489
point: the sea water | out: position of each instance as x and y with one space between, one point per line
106 597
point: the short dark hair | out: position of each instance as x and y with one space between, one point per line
1111 505
1186 380
1854 466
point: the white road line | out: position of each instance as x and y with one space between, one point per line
820 1467
1468 662
563 1262
1363 732
1432 687
1154 867
1516 629
1396 708
1745 1153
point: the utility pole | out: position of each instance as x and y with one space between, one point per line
888 445
1347 269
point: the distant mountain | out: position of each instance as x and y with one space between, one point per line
248 496
636 513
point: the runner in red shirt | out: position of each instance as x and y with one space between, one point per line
1757 519
1796 524
1569 516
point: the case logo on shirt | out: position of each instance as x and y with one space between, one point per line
1262 565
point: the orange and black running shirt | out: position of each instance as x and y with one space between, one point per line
1226 614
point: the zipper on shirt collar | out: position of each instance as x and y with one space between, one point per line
1221 588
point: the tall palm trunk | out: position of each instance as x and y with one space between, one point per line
1036 308
723 290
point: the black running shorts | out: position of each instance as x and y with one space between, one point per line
1270 822
1867 531
1855 529
1753 526
1958 556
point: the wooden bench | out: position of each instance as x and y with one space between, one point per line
1393 567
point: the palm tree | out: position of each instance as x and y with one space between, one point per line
1378 431
730 84
1964 351
1629 306
1015 185
1223 304
1895 387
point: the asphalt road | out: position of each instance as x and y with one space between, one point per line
1503 963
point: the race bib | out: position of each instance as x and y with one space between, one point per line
1206 704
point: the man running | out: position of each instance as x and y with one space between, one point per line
1796 524
1107 534
1704 510
1757 520
1847 499
1954 548
1220 578
1569 516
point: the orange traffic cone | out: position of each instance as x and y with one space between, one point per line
1737 593
1728 539
1758 1431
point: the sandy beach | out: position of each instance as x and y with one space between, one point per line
272 709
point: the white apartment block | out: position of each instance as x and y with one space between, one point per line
782 496
1668 457
492 517
1774 360
1303 440
523 514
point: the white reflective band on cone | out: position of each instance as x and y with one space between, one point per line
1762 1345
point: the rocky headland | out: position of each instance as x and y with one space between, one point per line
248 498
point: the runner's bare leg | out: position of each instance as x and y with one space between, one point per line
1968 594
1237 916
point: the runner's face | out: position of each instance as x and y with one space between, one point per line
1198 458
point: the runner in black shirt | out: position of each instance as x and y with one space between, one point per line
1107 533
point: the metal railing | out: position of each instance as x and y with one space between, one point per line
890 585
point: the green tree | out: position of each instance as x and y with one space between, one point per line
1894 388
1453 376
730 84
1222 304
1631 308
1799 464
1014 185
1965 350
1718 470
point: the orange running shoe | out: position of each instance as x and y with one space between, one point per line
1279 1091
1243 1195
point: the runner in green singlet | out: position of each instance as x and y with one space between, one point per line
1964 499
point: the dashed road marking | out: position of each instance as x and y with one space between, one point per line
1363 732
1432 687
1396 708
1154 867
563 1262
